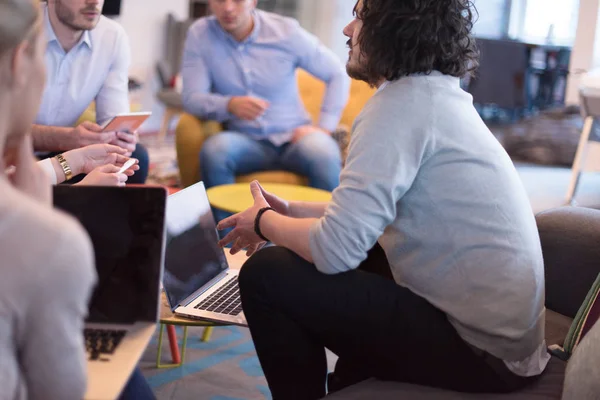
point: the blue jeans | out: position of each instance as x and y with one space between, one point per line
142 174
228 154
137 388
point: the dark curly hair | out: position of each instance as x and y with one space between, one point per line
402 37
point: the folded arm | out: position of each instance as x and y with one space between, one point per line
324 64
197 99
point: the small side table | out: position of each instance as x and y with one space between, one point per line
170 320
236 197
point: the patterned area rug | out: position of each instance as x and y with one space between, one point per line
549 138
224 368
163 160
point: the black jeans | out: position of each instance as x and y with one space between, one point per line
141 153
376 327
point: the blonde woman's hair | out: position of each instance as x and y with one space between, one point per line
17 19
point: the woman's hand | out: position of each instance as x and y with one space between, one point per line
85 159
243 235
106 175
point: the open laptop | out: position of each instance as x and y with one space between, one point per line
197 279
126 226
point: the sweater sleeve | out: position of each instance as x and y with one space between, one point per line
52 352
383 161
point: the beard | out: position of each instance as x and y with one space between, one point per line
356 71
68 17
354 68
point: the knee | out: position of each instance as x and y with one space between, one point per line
215 148
141 154
320 148
260 269
223 148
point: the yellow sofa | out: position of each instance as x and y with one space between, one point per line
191 131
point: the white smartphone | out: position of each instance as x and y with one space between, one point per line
127 122
126 166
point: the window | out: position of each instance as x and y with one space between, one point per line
492 21
543 21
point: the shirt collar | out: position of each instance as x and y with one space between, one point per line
256 29
383 85
51 36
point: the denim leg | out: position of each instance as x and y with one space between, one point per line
228 154
137 388
316 156
141 153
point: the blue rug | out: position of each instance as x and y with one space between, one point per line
225 368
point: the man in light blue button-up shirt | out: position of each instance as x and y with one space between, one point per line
239 68
87 59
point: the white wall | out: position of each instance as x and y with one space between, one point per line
145 24
327 19
490 18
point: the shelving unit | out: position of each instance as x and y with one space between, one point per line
198 8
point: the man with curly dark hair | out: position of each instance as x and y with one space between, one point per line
426 266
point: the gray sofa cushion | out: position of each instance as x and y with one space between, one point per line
548 387
570 237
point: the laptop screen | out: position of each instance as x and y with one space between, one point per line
193 257
126 226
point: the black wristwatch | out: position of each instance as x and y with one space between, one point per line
257 222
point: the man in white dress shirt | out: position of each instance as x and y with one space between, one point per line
87 59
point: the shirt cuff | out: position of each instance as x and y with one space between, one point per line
329 121
48 168
221 104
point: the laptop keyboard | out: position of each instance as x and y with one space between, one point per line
226 300
102 341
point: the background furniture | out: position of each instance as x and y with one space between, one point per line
168 70
169 321
191 131
570 238
590 109
500 78
551 76
519 77
237 197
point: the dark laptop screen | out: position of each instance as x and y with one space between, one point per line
193 256
126 226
